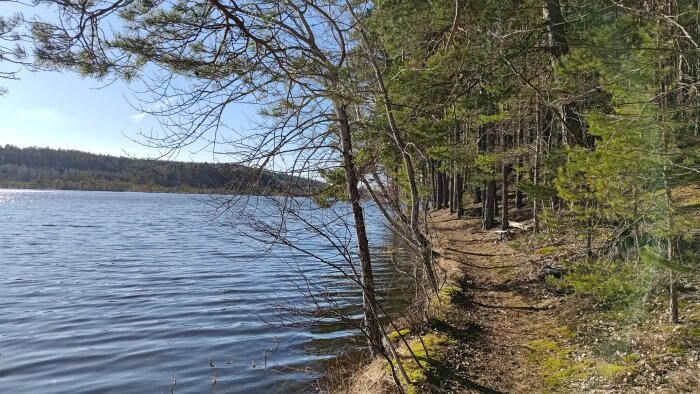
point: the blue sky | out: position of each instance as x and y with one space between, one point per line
63 110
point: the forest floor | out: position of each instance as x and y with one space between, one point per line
497 312
498 326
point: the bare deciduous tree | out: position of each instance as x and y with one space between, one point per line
197 58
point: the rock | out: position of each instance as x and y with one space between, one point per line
553 271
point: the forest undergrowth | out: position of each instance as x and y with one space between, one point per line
505 322
577 122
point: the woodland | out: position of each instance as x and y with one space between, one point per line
44 168
566 132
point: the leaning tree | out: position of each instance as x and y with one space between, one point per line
198 57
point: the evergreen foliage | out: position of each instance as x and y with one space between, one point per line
583 116
44 168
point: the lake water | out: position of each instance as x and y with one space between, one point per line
130 292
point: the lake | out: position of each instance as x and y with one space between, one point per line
147 293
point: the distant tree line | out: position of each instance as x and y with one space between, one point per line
583 117
45 168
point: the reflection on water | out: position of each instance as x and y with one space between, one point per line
131 292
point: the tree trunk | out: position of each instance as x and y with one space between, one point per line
453 199
490 198
495 205
555 22
446 189
518 193
440 189
490 201
369 302
433 183
424 181
673 296
423 242
504 200
673 300
664 158
521 162
536 174
479 209
458 198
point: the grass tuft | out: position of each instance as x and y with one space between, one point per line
547 250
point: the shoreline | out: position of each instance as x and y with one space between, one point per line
193 192
499 325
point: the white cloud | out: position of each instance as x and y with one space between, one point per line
45 115
136 118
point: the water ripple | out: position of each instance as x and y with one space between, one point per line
121 292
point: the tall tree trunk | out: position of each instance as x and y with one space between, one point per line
433 184
490 198
424 181
369 301
440 188
479 209
519 174
673 296
446 189
504 203
398 138
453 191
536 174
518 193
495 205
490 201
555 23
459 207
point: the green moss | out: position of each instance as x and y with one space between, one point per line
630 358
423 367
447 293
676 349
694 332
560 371
564 332
547 250
394 335
543 345
555 366
609 371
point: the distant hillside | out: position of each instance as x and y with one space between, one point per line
44 168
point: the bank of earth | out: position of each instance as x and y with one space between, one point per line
500 326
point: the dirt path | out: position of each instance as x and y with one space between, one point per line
496 326
501 308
